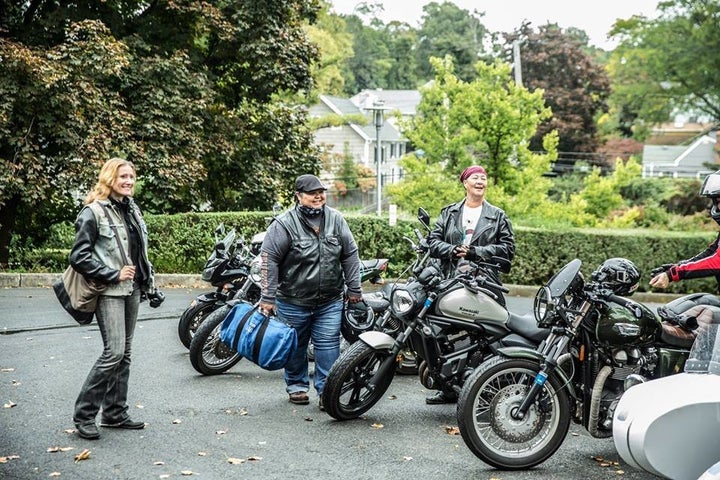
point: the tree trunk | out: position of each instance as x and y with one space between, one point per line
8 215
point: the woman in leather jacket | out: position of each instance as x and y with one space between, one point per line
473 230
111 246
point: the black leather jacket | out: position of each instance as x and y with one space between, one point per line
493 236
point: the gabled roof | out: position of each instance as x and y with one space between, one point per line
344 106
405 101
700 151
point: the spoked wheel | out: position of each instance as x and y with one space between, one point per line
348 392
485 415
208 354
191 319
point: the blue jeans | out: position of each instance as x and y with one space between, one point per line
322 325
106 385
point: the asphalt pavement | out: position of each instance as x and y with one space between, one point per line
235 425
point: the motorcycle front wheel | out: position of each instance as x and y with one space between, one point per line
208 354
347 393
191 319
484 415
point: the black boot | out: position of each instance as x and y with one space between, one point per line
440 397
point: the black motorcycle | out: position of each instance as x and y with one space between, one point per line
515 410
210 356
226 269
451 324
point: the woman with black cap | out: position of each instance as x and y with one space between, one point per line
473 230
307 256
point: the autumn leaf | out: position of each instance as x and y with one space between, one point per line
393 397
308 419
55 474
221 432
158 463
15 383
9 405
235 461
201 454
186 473
620 472
7 370
452 430
254 458
59 449
84 455
9 457
176 421
407 459
377 425
69 430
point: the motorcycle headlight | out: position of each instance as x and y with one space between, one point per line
543 307
255 274
401 302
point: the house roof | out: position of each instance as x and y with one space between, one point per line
405 101
701 151
344 106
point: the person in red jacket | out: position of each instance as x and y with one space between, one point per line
705 263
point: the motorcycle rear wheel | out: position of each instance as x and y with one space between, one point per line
208 354
191 319
485 422
347 393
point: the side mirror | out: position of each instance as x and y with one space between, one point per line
424 217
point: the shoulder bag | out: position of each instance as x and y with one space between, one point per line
78 295
264 340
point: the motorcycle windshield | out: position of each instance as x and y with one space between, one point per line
705 353
562 280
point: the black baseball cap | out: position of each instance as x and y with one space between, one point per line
308 183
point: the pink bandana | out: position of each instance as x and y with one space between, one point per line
472 169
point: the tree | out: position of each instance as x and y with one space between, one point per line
200 95
449 30
488 121
575 87
669 63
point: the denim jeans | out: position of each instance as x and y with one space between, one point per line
106 386
322 325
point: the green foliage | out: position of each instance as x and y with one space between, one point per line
667 63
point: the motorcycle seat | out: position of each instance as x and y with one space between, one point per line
526 325
675 335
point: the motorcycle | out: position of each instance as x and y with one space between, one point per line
227 269
669 426
210 356
452 325
515 410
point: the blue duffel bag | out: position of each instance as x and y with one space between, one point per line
264 340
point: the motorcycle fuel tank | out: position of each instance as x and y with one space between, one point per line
619 325
462 304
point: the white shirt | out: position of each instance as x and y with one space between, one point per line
470 218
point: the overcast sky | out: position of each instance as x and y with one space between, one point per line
595 17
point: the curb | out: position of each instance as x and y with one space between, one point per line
45 280
180 280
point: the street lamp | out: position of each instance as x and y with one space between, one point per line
378 120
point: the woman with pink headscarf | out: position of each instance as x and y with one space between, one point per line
474 230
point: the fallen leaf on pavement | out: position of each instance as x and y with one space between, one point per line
165 475
187 473
393 397
176 421
84 455
15 383
7 370
407 459
201 454
221 432
70 430
158 463
620 472
308 419
235 461
59 449
254 458
9 405
9 457
452 430
55 474
377 425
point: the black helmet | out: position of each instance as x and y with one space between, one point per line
357 318
710 189
619 275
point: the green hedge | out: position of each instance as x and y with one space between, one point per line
181 243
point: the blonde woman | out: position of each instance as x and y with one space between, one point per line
111 246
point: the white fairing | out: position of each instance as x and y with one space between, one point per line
712 473
466 305
670 426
